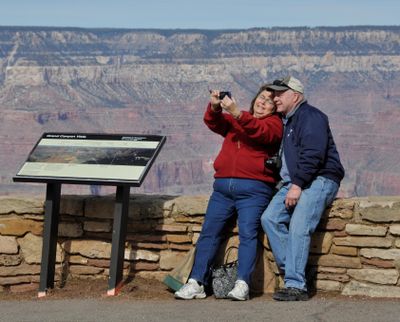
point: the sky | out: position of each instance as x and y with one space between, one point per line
198 14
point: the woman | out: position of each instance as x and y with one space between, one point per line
242 184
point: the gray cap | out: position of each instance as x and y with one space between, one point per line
287 83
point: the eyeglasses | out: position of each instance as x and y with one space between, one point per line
265 99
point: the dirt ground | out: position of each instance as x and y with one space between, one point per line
136 288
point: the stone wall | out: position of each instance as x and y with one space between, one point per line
355 250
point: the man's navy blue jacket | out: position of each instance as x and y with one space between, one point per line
309 147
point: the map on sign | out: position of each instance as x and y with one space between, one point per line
91 158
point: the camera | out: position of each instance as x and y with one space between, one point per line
223 94
274 162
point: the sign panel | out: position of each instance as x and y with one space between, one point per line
79 158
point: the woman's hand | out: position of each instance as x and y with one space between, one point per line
229 105
215 101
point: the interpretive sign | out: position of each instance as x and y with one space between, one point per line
81 158
107 159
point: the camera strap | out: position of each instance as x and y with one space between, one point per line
280 149
280 152
281 183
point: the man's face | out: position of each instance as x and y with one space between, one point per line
285 101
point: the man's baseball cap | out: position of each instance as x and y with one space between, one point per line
286 83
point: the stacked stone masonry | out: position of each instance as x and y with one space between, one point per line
355 250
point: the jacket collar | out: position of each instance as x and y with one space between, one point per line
295 109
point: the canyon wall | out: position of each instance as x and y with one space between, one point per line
157 81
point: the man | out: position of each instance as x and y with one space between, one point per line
311 172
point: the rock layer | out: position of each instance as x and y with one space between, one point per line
156 81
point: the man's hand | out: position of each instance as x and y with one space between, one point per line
292 196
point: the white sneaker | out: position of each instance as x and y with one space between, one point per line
191 290
240 292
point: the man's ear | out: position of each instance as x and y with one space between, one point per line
299 97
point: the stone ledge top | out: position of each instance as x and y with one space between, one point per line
21 205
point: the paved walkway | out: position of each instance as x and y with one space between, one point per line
258 309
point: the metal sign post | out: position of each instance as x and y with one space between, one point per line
50 232
118 240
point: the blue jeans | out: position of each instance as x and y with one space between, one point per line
289 231
248 198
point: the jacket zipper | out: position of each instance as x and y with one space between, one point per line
235 159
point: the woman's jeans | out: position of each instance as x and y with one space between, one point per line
289 231
249 198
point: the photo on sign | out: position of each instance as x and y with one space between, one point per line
91 155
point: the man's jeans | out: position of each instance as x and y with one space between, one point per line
289 231
249 198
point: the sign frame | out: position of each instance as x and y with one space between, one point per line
128 140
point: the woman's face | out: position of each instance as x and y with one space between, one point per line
263 105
